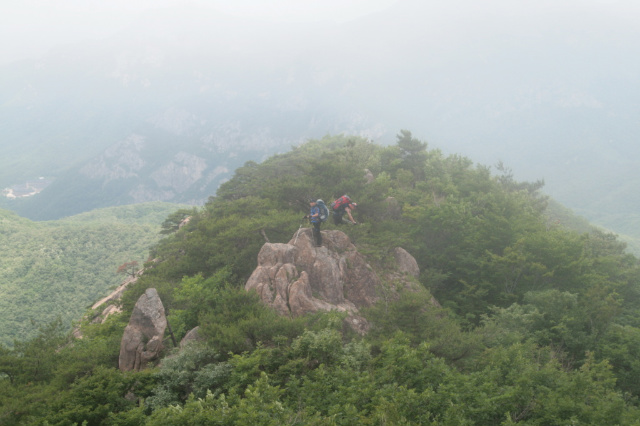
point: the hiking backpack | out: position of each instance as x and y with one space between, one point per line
342 201
324 211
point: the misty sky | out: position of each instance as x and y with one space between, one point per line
440 59
32 27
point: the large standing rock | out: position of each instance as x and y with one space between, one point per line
142 339
298 278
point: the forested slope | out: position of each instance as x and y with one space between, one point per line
56 269
539 324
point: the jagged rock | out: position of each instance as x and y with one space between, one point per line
407 264
191 336
298 278
142 339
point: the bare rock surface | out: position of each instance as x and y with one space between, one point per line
116 294
109 303
406 263
192 336
142 339
297 278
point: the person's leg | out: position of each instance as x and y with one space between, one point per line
337 218
316 234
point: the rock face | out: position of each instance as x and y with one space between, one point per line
109 304
298 278
142 339
406 263
192 336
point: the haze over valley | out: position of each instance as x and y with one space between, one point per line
166 101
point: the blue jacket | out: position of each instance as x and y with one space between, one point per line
314 214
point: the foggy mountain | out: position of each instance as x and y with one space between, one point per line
168 108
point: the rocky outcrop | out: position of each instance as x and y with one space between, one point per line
297 278
123 160
116 294
110 303
406 263
142 339
181 172
192 336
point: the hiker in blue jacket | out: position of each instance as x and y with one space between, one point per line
314 218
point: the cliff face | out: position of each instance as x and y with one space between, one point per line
132 160
297 278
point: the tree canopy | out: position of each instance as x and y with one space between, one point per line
58 268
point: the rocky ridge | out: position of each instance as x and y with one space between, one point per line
297 278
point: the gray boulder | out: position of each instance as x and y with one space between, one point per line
192 336
142 339
407 264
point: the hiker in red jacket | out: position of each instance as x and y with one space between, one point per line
341 206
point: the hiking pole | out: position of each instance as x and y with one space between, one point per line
298 233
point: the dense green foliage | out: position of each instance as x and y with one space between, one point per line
58 268
538 324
